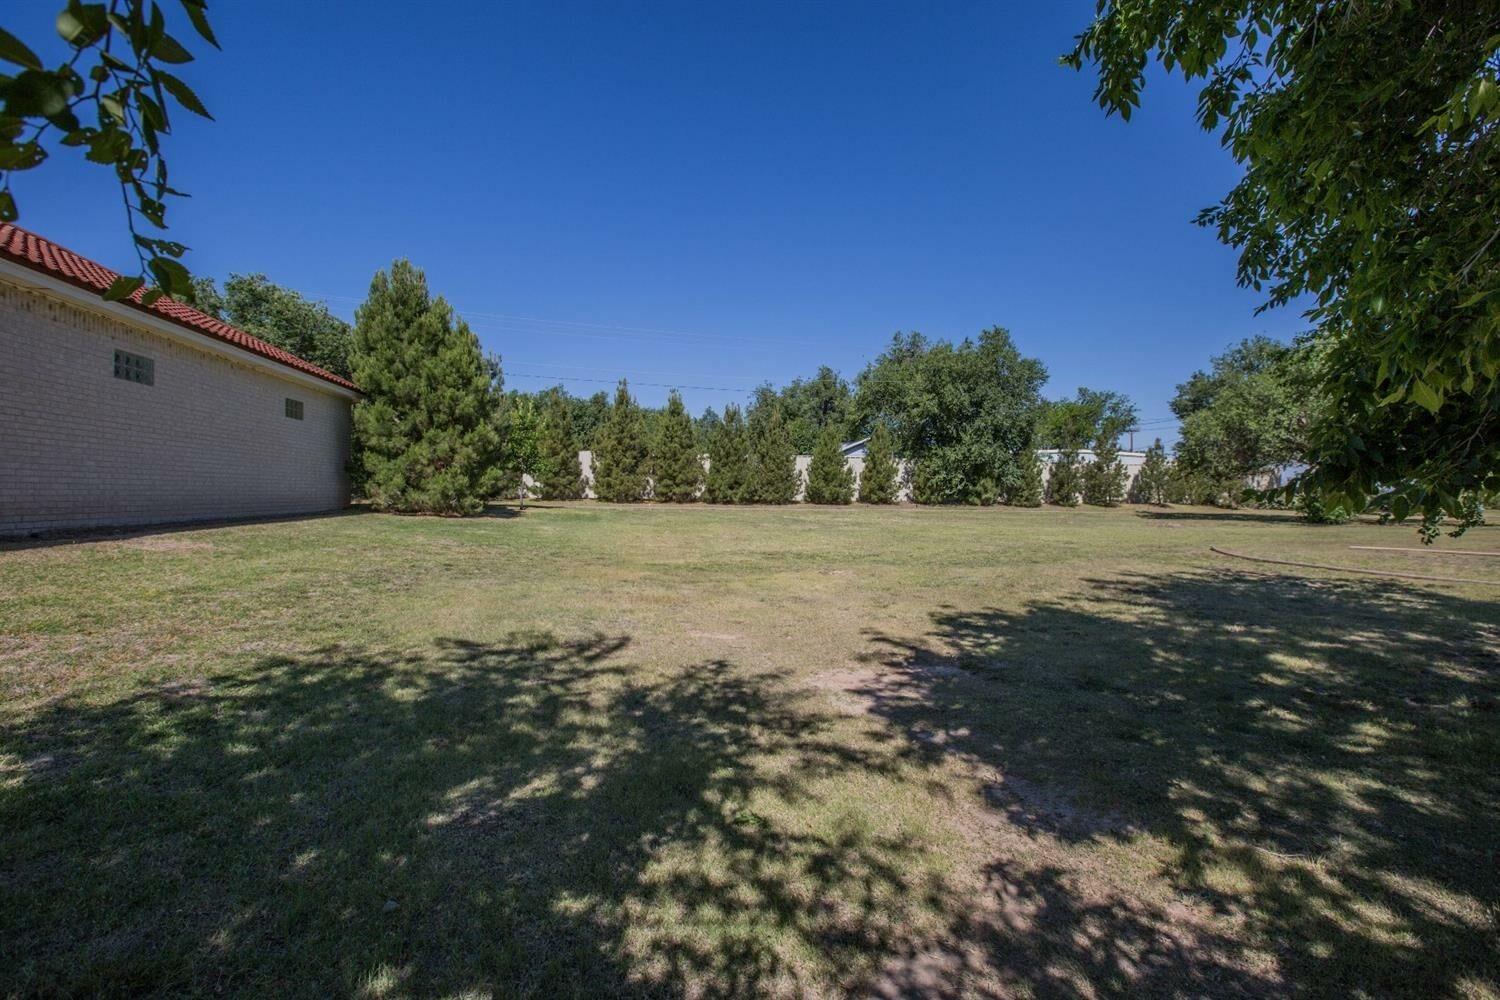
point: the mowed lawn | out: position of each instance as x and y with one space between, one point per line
703 752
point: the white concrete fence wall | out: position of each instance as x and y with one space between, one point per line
1132 460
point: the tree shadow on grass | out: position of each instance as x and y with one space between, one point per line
527 818
1316 764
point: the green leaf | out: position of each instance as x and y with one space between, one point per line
1426 396
122 288
183 94
169 50
8 212
21 156
171 276
197 12
36 93
12 49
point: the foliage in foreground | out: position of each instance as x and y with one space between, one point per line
424 431
110 98
1370 138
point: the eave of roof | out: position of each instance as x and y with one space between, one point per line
36 253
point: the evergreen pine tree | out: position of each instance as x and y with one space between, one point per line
1104 477
425 427
1031 490
773 470
829 478
1064 479
877 483
561 473
728 459
675 462
620 452
1153 480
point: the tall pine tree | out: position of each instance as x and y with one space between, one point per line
620 452
773 470
1154 480
675 464
728 459
877 483
829 478
424 430
561 474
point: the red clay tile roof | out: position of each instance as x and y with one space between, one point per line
32 251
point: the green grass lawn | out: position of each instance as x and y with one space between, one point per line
704 752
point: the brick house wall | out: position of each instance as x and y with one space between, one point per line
209 439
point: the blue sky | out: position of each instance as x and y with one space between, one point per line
701 195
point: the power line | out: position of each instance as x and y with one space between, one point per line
610 381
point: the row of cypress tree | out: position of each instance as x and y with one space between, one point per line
749 461
434 434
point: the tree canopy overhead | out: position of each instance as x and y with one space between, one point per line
112 98
1368 134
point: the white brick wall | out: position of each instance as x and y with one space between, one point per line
210 439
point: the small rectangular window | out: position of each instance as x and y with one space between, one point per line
134 368
294 408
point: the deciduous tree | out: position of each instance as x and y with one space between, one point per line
1369 136
279 316
966 414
